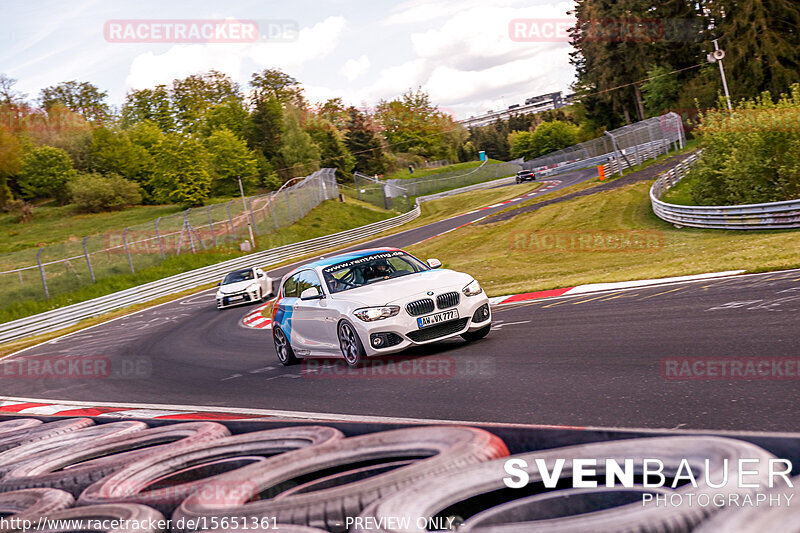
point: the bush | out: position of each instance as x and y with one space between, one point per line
45 173
750 155
92 193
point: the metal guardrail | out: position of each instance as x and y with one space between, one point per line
70 315
772 215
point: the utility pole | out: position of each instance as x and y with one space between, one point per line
246 213
716 57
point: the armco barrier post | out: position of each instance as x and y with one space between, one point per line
127 251
88 261
41 272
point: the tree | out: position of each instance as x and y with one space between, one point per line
113 152
761 39
275 84
334 111
149 104
521 144
662 91
10 162
492 139
230 158
8 95
194 95
412 124
181 171
230 114
364 143
80 97
299 153
45 173
265 129
552 136
333 152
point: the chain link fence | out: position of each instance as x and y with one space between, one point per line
629 144
55 269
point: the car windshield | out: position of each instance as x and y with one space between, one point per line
370 269
237 276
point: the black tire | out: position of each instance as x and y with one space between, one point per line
76 467
470 336
275 528
119 519
452 489
350 345
783 518
135 483
283 347
17 424
41 448
12 439
29 504
429 450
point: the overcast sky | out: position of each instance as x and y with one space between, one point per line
459 51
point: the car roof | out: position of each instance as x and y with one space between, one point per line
241 270
340 258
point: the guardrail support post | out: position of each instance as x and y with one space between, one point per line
41 272
127 251
88 261
211 226
158 238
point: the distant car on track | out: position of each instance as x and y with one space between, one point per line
374 302
525 175
243 286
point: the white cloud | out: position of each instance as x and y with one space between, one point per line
312 43
353 68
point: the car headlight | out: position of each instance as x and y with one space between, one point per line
473 289
371 314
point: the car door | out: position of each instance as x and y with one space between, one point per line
284 308
315 320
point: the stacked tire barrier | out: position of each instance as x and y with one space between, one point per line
772 215
81 474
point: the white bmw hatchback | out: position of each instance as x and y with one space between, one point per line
374 302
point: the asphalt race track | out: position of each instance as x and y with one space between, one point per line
597 359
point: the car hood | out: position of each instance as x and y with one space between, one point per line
405 289
239 286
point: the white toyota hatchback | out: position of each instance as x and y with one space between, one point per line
243 286
374 302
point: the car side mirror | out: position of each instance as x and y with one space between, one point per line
311 293
219 284
434 263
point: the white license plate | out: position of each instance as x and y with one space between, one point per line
438 318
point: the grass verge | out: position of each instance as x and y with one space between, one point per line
329 217
420 173
596 234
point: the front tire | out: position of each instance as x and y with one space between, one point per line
470 336
283 347
352 349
